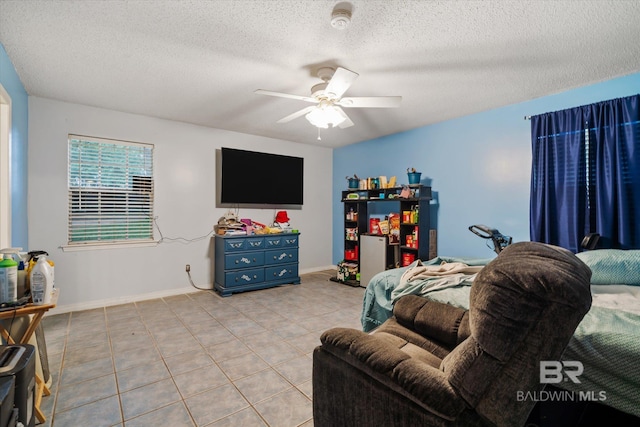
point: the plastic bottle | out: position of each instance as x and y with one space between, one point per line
22 280
41 278
8 279
30 262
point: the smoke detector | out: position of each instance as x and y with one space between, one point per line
340 18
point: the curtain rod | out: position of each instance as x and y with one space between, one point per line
527 117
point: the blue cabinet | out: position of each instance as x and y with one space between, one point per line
244 263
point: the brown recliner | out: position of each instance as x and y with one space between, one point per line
436 365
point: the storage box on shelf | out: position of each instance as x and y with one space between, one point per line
244 263
413 235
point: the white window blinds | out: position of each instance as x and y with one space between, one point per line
110 191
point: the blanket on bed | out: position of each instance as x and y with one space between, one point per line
377 303
420 279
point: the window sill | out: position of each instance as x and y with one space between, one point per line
99 246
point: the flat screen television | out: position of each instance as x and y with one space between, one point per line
257 179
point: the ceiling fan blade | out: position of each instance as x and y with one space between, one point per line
347 121
346 124
296 114
285 95
370 102
340 82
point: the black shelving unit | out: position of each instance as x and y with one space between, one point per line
356 205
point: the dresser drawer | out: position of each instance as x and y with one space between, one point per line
235 245
281 256
290 241
255 243
281 272
281 241
244 277
243 260
243 244
273 241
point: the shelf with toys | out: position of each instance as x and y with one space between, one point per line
405 222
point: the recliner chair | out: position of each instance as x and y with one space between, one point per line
437 365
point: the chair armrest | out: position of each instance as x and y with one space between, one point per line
379 356
442 322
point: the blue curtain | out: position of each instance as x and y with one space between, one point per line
615 140
558 181
586 175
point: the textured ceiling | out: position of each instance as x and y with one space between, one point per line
200 61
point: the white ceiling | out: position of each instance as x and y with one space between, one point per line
200 61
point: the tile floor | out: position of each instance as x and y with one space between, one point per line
195 359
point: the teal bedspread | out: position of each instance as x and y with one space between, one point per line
607 341
378 301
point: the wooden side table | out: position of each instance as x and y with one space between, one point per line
35 314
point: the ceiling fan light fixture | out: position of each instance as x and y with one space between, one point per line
324 115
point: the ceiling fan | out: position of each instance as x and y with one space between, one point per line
328 99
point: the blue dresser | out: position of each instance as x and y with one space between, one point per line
245 263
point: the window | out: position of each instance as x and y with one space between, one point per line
586 174
110 191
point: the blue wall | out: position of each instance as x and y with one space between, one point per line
19 137
478 166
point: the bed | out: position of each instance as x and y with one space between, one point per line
607 341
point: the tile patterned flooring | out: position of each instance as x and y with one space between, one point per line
195 359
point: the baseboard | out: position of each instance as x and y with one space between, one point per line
120 300
142 297
316 269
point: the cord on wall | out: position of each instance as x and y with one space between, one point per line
188 270
184 241
178 239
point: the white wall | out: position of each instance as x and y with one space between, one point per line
185 173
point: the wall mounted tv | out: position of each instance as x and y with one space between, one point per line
256 179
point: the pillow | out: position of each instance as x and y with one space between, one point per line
613 266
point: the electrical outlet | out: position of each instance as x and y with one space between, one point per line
188 268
